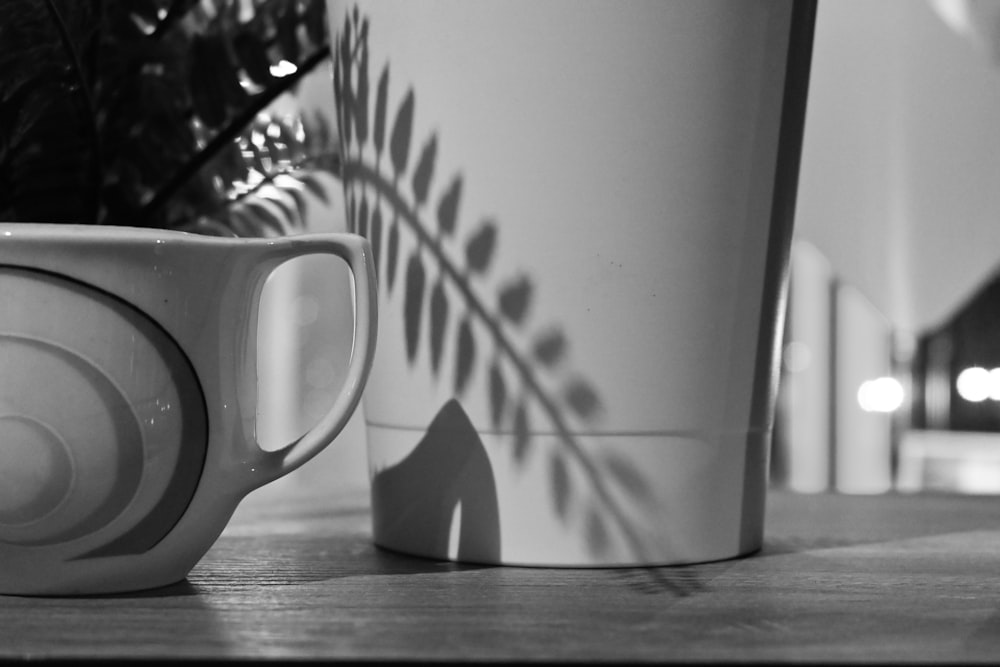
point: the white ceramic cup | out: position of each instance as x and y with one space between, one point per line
128 393
581 214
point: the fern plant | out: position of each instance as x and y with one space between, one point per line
155 113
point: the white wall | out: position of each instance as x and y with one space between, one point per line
900 180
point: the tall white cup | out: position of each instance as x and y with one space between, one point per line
581 214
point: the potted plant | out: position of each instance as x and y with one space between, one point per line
184 115
157 113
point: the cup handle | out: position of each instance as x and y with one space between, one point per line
268 465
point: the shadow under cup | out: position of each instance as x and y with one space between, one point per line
582 247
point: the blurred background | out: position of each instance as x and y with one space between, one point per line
891 364
890 373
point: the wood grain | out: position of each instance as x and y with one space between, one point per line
841 578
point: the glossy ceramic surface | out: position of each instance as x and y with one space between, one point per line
128 397
80 419
580 216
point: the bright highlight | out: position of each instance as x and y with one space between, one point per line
283 68
884 394
976 384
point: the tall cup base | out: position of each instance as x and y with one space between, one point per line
452 493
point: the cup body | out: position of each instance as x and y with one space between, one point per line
581 215
128 399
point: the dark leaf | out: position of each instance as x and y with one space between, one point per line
550 347
438 323
314 186
144 11
498 395
582 399
402 129
265 218
230 166
346 102
347 37
47 174
413 304
361 100
285 210
514 300
381 101
176 11
252 55
425 171
362 225
288 40
238 223
447 212
375 235
391 255
214 81
208 98
352 211
522 433
629 478
479 249
314 19
229 82
465 356
166 107
559 477
301 205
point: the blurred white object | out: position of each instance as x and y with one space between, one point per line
804 418
881 394
862 354
950 461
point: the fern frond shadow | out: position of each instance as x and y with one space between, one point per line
373 168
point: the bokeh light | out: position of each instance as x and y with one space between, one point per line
883 394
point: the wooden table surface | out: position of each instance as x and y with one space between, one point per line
893 578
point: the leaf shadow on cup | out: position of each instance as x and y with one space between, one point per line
415 500
452 305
